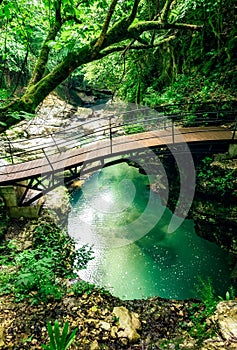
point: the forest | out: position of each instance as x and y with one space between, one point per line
148 52
176 55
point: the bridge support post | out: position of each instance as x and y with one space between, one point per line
10 196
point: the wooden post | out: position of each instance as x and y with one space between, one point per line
173 131
110 135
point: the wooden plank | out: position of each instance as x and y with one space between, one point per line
120 144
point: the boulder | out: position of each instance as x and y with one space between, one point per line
128 324
58 203
226 312
226 318
83 113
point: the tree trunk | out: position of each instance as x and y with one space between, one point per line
37 90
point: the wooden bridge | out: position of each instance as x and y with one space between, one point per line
68 154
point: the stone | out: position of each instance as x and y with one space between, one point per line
227 319
58 201
77 184
2 343
129 323
104 325
113 331
94 345
9 195
84 113
216 343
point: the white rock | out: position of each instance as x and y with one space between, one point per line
128 323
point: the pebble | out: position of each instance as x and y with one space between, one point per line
94 345
104 325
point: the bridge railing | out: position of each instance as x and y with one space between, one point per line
114 125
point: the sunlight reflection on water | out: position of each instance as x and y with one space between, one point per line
157 263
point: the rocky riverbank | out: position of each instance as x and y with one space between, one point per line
105 322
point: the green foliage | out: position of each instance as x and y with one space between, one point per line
37 273
36 278
22 31
51 240
207 294
193 88
199 327
229 295
81 287
168 66
59 340
216 180
4 94
6 281
19 115
189 68
105 74
31 277
133 128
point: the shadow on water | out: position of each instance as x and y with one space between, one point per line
135 257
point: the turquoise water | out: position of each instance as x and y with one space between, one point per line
135 257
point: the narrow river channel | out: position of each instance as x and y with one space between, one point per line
135 257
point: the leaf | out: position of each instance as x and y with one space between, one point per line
57 334
51 335
57 341
71 338
7 12
64 333
51 43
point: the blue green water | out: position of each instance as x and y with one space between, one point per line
135 257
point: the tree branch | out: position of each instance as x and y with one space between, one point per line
143 26
58 5
134 11
40 66
110 12
165 11
125 48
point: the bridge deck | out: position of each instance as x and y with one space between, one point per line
100 149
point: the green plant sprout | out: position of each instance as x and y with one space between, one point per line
58 340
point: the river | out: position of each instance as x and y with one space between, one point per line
134 255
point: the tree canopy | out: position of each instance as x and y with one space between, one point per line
56 37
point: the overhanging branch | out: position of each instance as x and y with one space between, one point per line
123 48
134 11
105 28
143 26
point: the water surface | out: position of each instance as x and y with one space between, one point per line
135 257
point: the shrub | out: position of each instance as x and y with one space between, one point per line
37 273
